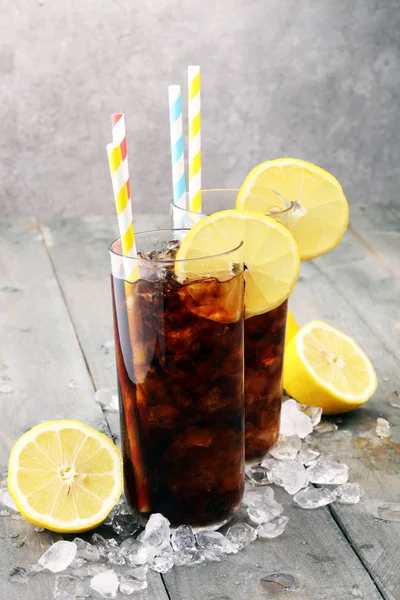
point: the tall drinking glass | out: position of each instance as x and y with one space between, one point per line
264 338
180 354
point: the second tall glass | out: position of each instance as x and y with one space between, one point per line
264 337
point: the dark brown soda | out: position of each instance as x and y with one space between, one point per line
180 361
264 337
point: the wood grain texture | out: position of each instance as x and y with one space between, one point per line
373 462
40 359
368 285
311 557
313 550
378 228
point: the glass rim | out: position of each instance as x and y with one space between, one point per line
167 260
274 213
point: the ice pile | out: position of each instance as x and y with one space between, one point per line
103 567
108 399
297 466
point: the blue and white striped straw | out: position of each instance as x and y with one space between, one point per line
177 145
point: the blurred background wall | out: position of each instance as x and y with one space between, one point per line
313 79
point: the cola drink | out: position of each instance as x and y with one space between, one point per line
264 351
180 358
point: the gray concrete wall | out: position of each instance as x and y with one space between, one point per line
314 79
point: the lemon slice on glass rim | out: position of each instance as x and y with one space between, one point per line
270 254
321 213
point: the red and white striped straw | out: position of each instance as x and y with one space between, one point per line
119 138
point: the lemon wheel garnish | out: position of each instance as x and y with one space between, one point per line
324 367
270 255
321 213
65 476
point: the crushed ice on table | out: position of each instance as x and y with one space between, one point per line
289 474
325 427
68 586
183 538
126 525
108 399
188 557
349 493
307 455
105 583
291 464
114 557
136 552
213 555
59 556
313 497
87 551
4 512
77 563
253 496
287 448
272 529
156 530
102 545
162 563
382 428
34 569
294 421
257 475
214 540
89 570
326 471
129 584
241 535
7 500
314 412
266 511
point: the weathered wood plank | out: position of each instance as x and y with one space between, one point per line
373 462
41 361
375 217
368 285
378 228
311 536
310 557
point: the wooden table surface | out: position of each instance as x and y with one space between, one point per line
56 326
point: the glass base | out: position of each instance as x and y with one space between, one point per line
212 527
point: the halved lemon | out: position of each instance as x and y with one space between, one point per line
270 255
65 476
291 327
321 213
324 367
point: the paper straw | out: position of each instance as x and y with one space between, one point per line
194 139
124 209
177 145
120 182
119 137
